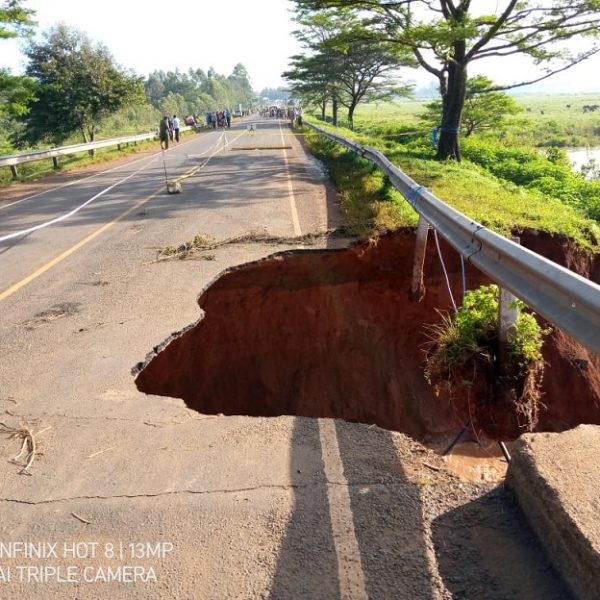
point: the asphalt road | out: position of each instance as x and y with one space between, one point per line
204 506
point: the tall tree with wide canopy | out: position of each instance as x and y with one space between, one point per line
446 36
309 80
78 84
346 60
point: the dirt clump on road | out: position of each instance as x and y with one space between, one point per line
333 333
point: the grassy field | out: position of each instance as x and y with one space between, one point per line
550 120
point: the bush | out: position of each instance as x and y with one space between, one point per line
463 363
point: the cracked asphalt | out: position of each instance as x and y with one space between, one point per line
163 502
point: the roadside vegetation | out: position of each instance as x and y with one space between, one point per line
496 157
73 91
505 188
465 362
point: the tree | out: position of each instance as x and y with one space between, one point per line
15 20
345 61
78 84
310 79
446 36
16 91
174 104
483 110
240 86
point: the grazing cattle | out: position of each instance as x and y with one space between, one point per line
590 107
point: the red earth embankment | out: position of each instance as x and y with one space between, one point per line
333 333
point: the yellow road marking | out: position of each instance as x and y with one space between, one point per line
26 280
17 286
294 210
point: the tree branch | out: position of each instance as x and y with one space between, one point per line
549 74
491 31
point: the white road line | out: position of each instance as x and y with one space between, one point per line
16 234
59 187
350 570
295 220
104 191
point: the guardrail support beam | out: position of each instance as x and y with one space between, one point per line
417 287
15 173
560 296
508 314
55 162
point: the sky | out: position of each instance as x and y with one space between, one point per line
145 36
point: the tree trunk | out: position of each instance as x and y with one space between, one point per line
92 134
351 110
323 109
453 103
334 103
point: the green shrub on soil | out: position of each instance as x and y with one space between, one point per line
463 364
473 330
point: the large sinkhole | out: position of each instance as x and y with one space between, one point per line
333 333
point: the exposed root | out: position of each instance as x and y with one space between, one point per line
28 447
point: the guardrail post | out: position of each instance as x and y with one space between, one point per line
119 147
417 287
508 314
13 170
55 162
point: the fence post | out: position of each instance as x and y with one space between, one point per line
13 170
417 287
508 314
55 162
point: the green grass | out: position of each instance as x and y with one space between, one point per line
370 205
545 120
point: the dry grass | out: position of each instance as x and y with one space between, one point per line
202 243
28 450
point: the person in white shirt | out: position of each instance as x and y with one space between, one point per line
175 124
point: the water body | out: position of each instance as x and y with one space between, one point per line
582 156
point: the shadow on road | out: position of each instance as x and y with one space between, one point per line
307 564
486 549
384 520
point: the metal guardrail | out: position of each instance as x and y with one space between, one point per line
12 160
562 297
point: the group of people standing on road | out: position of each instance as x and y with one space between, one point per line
168 130
221 118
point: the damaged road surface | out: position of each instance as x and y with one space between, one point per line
168 502
333 333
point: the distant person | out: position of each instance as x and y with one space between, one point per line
175 125
227 116
164 132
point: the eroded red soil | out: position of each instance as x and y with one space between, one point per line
333 333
